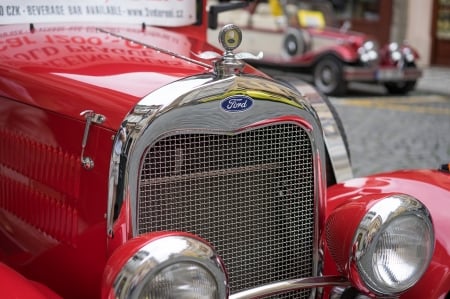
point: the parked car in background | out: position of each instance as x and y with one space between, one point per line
139 161
304 37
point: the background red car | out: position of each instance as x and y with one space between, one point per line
304 37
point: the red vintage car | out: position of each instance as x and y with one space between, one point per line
304 37
131 166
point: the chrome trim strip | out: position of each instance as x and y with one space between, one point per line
291 285
334 140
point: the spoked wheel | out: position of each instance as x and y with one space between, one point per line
291 45
295 42
328 76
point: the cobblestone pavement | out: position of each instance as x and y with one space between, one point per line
389 132
435 80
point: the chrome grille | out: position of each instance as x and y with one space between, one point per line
251 195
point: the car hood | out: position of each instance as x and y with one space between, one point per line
70 68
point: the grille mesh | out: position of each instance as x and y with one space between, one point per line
250 195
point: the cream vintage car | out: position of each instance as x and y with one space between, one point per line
302 37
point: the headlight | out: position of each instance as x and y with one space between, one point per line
409 54
393 244
368 52
393 47
398 53
171 267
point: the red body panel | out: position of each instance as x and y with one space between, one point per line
89 64
15 285
431 187
47 78
70 228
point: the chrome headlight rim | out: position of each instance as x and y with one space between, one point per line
379 219
163 254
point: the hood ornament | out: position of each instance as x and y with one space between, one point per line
229 63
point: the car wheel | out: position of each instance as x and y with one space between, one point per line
294 43
328 76
402 87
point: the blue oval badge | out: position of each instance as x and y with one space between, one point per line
237 103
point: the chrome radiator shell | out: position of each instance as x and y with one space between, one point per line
248 182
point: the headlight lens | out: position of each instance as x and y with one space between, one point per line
393 47
172 267
394 244
181 280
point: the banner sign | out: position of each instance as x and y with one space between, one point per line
169 13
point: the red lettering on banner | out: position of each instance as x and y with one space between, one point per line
37 53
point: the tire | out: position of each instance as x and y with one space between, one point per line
402 87
328 76
294 43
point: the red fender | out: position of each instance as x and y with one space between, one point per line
432 188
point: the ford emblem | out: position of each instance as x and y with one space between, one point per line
237 103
